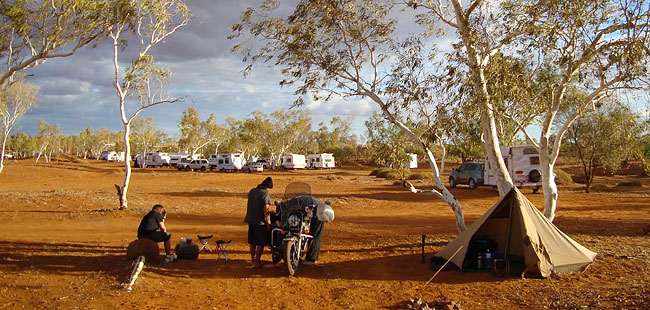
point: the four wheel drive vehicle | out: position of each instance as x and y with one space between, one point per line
470 173
266 164
523 166
196 164
253 167
522 162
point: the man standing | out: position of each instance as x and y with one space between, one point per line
152 227
258 220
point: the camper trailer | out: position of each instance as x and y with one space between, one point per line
294 161
227 162
318 161
523 165
156 159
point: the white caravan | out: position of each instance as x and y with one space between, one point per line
177 158
116 156
157 159
412 161
294 161
522 162
323 160
228 162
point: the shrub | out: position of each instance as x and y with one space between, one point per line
579 178
420 176
635 183
377 172
562 177
392 175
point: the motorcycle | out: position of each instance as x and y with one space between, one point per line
290 240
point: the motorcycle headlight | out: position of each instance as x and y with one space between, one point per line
293 220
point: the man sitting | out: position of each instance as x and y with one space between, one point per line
152 227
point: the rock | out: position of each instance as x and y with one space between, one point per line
145 247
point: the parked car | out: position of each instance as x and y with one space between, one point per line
195 164
253 167
266 164
470 173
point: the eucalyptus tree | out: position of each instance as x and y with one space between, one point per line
388 143
196 134
148 23
35 31
591 48
49 137
15 100
337 48
483 31
604 138
337 138
145 135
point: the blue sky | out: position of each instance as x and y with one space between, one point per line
76 92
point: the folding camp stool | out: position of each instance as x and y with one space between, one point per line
222 245
204 242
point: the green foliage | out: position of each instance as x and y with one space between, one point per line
388 143
604 138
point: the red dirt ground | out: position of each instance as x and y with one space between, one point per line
64 243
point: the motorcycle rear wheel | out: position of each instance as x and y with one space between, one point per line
292 256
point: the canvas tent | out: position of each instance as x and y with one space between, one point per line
519 232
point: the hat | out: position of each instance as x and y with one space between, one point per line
268 182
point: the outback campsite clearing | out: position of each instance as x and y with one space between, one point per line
64 243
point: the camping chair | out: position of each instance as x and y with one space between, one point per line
222 245
204 242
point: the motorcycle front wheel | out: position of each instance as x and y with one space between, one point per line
292 256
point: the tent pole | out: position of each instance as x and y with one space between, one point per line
506 255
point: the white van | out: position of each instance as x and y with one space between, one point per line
322 160
156 159
228 162
522 162
294 161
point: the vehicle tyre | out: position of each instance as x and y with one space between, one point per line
534 176
276 257
180 168
187 168
292 256
452 182
471 183
536 190
203 169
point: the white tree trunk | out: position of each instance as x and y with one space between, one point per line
476 63
127 164
548 182
443 193
2 151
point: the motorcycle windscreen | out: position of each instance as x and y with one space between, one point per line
296 189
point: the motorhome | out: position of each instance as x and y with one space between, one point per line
156 159
322 160
228 162
522 162
294 161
